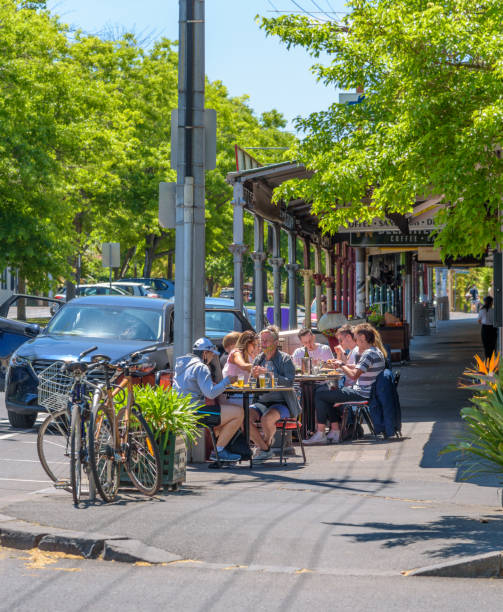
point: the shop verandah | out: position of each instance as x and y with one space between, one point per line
389 265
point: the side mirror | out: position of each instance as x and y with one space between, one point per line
32 330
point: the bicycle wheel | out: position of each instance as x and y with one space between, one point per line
53 448
143 461
76 454
104 467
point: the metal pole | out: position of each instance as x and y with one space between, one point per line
190 222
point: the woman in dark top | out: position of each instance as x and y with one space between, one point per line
489 333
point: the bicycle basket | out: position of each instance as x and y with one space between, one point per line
54 387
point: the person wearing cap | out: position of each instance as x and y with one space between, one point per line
193 377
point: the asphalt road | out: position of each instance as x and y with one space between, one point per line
47 582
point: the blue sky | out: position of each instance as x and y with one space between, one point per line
237 52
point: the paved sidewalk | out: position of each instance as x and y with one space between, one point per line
361 508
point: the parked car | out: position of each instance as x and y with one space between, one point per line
117 325
87 289
227 292
163 287
136 289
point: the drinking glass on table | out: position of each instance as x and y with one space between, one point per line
241 381
261 381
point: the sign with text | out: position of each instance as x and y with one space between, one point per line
391 238
384 225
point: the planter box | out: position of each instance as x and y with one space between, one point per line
174 465
397 338
174 462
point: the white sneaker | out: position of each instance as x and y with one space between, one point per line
334 436
263 455
317 438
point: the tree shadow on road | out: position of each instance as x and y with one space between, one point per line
453 535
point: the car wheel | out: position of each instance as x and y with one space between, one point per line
21 421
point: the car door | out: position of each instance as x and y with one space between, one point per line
12 334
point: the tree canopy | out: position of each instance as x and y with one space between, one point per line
85 141
430 122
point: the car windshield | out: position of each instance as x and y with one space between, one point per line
107 322
221 322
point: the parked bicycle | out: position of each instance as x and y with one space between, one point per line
120 433
96 428
63 438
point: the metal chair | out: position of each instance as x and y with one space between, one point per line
284 425
361 414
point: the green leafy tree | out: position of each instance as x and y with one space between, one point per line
430 121
40 111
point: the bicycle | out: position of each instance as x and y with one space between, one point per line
122 437
62 440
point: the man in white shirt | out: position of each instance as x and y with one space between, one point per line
317 351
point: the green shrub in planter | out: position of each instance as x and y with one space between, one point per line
167 412
481 445
173 419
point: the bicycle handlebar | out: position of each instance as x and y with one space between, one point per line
87 351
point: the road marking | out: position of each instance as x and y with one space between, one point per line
34 461
5 436
25 480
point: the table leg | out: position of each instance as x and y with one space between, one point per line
246 423
308 421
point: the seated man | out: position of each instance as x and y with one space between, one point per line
272 406
363 375
193 377
316 351
347 350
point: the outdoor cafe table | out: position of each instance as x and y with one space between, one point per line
246 391
307 384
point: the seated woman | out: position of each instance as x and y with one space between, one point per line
240 360
363 373
193 377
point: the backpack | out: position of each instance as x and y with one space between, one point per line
239 446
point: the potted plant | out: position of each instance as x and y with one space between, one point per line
374 316
173 419
481 444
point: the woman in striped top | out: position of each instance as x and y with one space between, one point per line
364 373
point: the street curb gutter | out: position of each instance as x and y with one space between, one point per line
23 535
488 565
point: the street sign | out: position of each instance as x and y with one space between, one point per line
111 255
167 205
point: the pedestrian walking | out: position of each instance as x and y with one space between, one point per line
489 333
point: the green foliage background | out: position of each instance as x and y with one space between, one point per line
430 122
85 141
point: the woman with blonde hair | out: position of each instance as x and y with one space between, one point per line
378 343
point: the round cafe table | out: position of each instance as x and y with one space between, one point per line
246 392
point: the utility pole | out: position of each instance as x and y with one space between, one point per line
190 184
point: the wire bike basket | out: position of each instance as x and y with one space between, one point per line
54 387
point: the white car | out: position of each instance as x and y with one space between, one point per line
136 289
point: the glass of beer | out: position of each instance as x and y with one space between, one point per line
261 381
241 381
